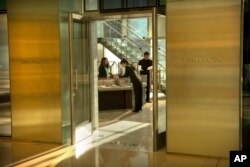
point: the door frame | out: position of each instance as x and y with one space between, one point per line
93 16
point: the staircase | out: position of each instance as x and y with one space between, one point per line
131 47
121 48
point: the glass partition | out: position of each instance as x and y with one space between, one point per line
161 80
90 5
138 26
117 42
140 3
109 5
4 53
80 79
5 111
162 2
3 5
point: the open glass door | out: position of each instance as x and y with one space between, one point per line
80 78
159 79
5 110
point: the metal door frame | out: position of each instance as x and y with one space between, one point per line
88 17
71 18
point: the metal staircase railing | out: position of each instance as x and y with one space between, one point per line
146 40
124 47
130 46
138 37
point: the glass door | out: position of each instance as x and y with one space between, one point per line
159 79
5 110
80 78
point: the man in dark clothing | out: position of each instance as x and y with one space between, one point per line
137 85
145 63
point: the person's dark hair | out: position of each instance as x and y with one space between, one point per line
146 53
103 62
124 61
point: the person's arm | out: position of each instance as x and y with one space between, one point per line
126 73
124 76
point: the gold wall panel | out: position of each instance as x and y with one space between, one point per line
34 42
203 76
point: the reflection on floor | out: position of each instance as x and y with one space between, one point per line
141 139
16 151
125 140
11 151
102 157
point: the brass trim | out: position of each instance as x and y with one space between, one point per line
70 31
155 78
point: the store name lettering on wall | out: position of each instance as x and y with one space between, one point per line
202 60
37 61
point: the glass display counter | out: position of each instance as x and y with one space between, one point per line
115 93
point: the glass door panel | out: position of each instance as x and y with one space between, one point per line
80 79
161 36
159 79
5 110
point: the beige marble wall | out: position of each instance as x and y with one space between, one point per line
203 76
34 45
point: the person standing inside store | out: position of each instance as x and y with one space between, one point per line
137 85
146 64
104 68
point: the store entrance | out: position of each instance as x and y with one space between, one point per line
107 103
130 37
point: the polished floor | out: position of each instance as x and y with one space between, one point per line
12 152
102 157
124 139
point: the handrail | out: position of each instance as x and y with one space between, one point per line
162 54
134 29
133 44
121 35
110 26
141 38
133 33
